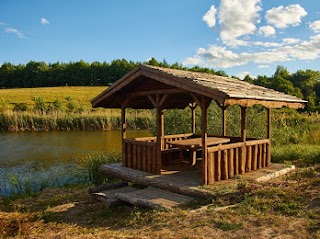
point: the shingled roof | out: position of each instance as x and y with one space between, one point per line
144 80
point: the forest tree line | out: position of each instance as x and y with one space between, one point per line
303 83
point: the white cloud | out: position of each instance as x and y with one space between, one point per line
267 30
44 21
210 16
290 41
15 31
237 18
282 17
214 56
263 66
265 44
221 57
315 26
242 75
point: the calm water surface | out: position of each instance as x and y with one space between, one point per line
32 159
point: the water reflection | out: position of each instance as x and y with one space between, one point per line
33 157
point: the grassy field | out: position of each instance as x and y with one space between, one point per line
80 94
61 108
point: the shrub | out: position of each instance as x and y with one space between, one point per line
18 107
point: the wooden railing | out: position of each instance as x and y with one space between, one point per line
141 153
229 160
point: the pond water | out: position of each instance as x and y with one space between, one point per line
30 161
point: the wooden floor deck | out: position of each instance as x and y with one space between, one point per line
188 182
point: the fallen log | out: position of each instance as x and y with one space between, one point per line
108 196
147 179
107 187
137 201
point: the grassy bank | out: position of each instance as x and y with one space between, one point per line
288 207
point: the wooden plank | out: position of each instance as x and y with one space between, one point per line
204 106
123 134
236 161
242 160
193 117
147 179
144 157
159 135
149 158
224 120
264 155
254 157
211 169
230 163
139 157
260 156
154 198
225 146
218 166
265 103
109 198
157 92
243 124
129 155
224 165
257 141
134 156
268 154
249 158
269 123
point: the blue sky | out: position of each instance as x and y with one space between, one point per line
237 36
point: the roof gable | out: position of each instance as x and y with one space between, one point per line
143 81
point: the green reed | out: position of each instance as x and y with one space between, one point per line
92 163
89 120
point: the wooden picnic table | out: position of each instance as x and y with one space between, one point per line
194 144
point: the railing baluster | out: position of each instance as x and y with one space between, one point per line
230 164
211 168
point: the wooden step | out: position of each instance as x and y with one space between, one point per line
108 196
153 198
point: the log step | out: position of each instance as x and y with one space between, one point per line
154 198
108 196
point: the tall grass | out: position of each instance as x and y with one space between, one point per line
295 136
90 120
92 163
300 154
85 171
288 126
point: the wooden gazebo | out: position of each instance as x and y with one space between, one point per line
222 157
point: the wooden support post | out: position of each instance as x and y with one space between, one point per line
269 123
193 117
158 103
124 134
244 139
243 124
205 102
269 126
159 122
224 121
162 130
